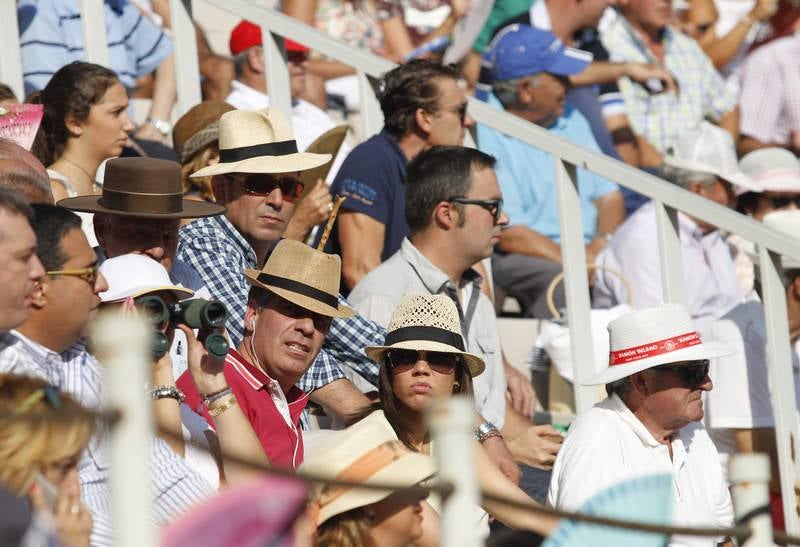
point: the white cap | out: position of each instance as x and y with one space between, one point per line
787 222
772 169
134 275
709 149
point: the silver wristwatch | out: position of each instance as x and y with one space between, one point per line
486 430
163 126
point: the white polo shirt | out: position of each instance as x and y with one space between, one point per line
608 445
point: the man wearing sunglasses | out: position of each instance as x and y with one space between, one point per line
531 70
423 105
455 214
650 424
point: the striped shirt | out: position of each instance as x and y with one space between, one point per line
174 485
51 36
216 250
663 117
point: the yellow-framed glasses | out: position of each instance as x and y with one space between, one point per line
87 274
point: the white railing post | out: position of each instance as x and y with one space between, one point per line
10 59
121 343
277 74
371 115
452 422
187 66
573 258
749 476
93 21
669 246
781 380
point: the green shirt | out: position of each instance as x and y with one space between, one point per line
502 11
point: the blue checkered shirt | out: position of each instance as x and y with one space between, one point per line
51 36
175 486
662 118
220 254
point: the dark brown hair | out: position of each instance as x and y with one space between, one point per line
71 92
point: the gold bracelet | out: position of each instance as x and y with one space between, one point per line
221 405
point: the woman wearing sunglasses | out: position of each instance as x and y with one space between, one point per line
423 358
39 453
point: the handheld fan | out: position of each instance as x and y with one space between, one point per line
20 122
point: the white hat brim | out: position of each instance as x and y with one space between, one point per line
705 350
181 293
738 178
290 163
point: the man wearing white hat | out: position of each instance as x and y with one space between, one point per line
776 173
703 162
650 423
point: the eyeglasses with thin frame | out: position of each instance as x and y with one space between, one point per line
494 206
87 274
441 362
262 184
693 373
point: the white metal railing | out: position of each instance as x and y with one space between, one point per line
668 198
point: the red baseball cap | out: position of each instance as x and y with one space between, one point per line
246 35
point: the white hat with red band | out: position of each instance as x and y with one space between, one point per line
651 337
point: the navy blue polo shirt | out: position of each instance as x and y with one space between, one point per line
372 178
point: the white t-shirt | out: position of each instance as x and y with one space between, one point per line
608 445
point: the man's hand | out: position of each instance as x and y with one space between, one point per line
537 446
501 457
313 209
520 391
206 369
641 73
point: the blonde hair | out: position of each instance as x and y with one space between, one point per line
199 160
348 529
38 439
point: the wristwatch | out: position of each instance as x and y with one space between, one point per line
163 126
486 430
167 392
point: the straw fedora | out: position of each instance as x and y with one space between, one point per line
426 322
302 275
198 128
709 149
259 141
651 337
773 169
366 453
787 222
143 187
134 275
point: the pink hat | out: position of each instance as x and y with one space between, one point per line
651 337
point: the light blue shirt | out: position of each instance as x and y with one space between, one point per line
51 36
527 176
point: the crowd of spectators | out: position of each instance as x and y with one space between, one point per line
361 281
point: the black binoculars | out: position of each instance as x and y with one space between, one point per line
197 313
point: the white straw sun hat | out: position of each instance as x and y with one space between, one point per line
651 337
426 322
133 275
709 149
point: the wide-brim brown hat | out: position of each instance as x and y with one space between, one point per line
426 322
303 275
145 188
198 128
259 141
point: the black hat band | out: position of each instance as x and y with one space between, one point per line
432 334
280 148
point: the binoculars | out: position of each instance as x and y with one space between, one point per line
197 313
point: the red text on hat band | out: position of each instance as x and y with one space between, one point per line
628 355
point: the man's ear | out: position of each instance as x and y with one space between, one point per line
698 188
41 292
639 383
795 286
255 59
250 314
219 186
445 215
424 120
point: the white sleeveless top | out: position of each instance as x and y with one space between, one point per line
87 219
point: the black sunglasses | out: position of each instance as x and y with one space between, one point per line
262 184
692 373
439 361
783 202
494 206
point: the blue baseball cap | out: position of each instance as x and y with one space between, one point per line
521 50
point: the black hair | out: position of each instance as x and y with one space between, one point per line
51 224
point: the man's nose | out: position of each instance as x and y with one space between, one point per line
100 285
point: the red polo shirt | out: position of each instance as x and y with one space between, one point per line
259 396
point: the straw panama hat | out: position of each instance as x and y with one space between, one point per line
709 149
367 453
144 188
133 275
429 322
773 169
651 337
302 275
198 128
787 222
259 141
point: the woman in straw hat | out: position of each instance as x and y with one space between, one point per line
424 358
350 517
39 453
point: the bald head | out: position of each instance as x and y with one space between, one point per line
9 150
19 176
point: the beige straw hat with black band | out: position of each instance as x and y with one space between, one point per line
426 322
304 276
259 141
